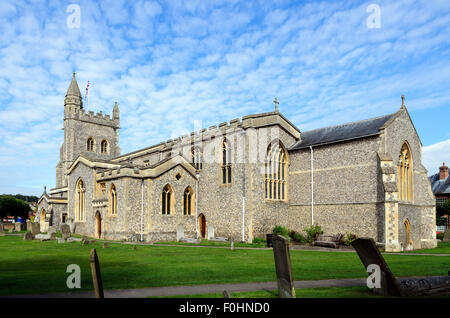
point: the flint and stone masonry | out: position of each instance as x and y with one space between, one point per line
345 178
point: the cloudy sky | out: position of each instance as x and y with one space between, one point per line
170 63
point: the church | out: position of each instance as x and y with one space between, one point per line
240 178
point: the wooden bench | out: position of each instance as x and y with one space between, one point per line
326 241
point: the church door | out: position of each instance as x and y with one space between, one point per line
98 225
202 223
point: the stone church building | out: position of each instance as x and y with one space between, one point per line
241 178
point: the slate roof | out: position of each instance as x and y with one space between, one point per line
339 133
440 186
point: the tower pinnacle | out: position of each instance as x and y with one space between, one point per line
73 95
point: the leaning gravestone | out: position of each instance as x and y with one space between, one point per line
28 236
180 232
35 228
283 267
447 236
65 231
210 231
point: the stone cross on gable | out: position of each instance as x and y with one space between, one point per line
403 100
276 102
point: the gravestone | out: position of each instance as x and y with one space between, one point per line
18 226
61 241
105 245
42 237
53 236
1 227
28 236
369 254
65 231
96 275
210 231
446 236
71 225
29 225
226 294
283 267
232 245
35 228
11 230
180 232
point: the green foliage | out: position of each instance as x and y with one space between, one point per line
259 240
441 220
443 208
349 238
10 206
281 230
440 235
312 232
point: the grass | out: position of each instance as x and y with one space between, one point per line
442 248
329 292
212 243
35 267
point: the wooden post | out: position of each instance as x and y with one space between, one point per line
96 275
283 267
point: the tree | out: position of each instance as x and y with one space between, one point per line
10 206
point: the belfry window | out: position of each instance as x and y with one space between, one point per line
226 162
167 200
80 200
405 168
104 146
276 173
187 201
90 144
196 155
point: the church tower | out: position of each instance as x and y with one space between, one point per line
93 136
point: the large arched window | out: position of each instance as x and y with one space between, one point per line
226 162
405 168
90 144
104 146
188 199
196 156
80 200
167 200
276 173
113 199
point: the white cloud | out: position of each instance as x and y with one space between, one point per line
434 155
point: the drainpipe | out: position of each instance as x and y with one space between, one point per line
312 185
142 210
243 187
196 204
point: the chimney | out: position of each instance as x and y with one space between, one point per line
443 172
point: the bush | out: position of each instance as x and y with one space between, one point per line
312 232
281 230
439 235
349 238
259 240
299 238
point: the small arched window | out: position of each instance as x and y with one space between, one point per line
80 200
405 168
167 200
226 162
276 173
187 201
196 156
104 146
90 144
113 199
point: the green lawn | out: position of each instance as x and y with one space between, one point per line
442 248
40 267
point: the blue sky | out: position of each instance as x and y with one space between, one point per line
170 63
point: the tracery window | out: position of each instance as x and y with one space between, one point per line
80 200
167 200
276 173
226 162
405 168
90 144
104 146
113 199
187 201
